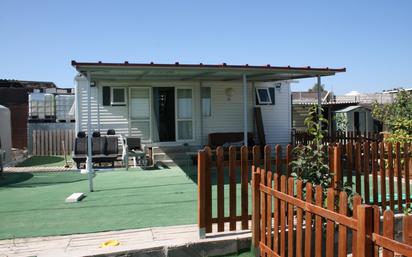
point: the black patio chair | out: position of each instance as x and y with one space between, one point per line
80 149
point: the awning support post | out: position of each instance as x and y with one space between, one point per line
245 118
89 164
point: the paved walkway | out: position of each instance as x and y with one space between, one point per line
130 241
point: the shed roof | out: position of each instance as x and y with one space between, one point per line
351 108
198 72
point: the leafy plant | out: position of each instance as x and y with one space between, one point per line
311 164
397 116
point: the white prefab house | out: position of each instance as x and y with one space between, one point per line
176 104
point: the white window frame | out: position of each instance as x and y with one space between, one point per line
177 119
260 102
131 120
112 96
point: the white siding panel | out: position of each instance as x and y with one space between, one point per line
227 115
277 118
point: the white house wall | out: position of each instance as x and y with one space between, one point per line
277 118
226 115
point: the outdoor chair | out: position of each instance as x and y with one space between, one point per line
132 147
112 148
80 149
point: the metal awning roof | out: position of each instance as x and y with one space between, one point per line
197 72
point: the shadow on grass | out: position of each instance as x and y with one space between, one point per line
26 179
42 161
14 178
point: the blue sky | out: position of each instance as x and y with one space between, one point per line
372 39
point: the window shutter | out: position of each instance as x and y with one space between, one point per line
106 96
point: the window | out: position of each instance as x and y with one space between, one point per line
264 96
118 96
184 114
206 101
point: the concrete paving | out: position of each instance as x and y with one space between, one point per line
159 241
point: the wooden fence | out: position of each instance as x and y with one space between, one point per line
51 141
288 220
303 137
230 165
364 166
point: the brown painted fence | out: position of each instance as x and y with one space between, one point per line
362 165
288 222
380 172
232 165
51 141
303 137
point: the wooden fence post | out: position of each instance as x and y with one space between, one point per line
255 210
201 186
364 232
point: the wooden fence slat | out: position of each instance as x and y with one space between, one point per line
337 166
407 229
267 158
399 175
244 187
382 168
279 160
208 190
330 225
406 148
358 163
366 171
308 221
387 231
263 203
376 229
364 231
375 172
276 209
390 175
201 188
291 186
50 148
256 155
299 221
289 158
343 209
256 207
356 202
269 211
349 165
58 139
318 223
282 218
220 189
232 188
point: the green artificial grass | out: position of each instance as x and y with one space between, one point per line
45 161
33 204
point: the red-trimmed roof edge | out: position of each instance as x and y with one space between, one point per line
223 65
